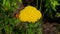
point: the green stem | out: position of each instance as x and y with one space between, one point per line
37 4
40 5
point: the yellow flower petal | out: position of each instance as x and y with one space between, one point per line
29 14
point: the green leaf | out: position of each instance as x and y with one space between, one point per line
54 4
30 31
7 4
39 30
7 30
36 25
20 1
4 1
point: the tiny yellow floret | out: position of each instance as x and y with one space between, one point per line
30 14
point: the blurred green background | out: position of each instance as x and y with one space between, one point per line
9 24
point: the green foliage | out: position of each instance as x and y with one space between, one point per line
10 25
20 1
50 7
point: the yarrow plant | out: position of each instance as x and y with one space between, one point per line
30 14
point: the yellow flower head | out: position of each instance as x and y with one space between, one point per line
30 14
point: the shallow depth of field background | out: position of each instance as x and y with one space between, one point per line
48 24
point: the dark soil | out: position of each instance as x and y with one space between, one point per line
49 27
